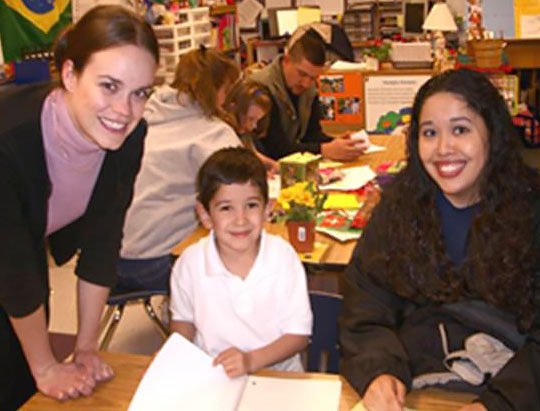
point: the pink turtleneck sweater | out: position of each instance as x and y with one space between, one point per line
73 163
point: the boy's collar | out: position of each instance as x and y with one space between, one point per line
214 263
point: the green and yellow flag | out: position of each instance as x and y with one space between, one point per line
27 25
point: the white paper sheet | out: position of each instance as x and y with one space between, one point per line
290 394
374 148
274 186
339 235
248 11
530 26
354 178
347 65
182 376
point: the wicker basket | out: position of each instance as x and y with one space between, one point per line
487 53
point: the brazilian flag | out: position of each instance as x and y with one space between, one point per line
29 25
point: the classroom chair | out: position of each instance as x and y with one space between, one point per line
116 303
323 348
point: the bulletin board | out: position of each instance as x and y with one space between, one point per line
341 98
389 99
527 18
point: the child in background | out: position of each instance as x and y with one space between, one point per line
240 294
186 125
247 106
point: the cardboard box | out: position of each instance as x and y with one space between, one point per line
299 167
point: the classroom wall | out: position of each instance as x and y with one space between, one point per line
459 7
498 16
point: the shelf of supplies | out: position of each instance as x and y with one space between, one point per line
222 9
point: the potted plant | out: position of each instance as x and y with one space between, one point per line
301 203
379 50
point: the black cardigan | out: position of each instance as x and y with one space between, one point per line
382 333
25 188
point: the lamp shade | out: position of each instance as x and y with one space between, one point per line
439 19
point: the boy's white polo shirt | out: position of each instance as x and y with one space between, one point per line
247 314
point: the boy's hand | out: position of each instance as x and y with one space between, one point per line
235 362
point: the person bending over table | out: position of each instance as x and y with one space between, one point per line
185 125
450 251
295 115
247 105
68 160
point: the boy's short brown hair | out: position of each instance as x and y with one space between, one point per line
230 165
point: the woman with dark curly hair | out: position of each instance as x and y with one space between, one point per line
451 251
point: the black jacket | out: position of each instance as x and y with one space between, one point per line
24 192
382 333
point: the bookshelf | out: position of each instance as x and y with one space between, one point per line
365 19
359 22
388 12
225 29
192 28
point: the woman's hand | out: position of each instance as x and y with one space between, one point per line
64 381
475 406
235 362
98 369
385 393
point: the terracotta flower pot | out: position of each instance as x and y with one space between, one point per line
301 235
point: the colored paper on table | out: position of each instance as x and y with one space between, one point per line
344 201
341 236
329 164
337 224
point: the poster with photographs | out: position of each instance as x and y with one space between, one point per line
341 98
328 108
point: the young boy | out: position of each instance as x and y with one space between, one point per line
240 294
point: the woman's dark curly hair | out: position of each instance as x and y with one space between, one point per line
502 254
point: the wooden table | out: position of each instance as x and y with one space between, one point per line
116 394
339 253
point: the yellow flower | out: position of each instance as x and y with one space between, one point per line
300 201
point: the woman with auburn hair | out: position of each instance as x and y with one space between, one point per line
451 253
248 105
69 155
185 127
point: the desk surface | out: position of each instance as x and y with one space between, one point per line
116 394
523 53
339 253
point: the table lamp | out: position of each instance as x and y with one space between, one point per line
439 20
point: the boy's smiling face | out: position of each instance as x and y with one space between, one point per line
236 213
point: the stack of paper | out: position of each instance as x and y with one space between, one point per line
182 377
